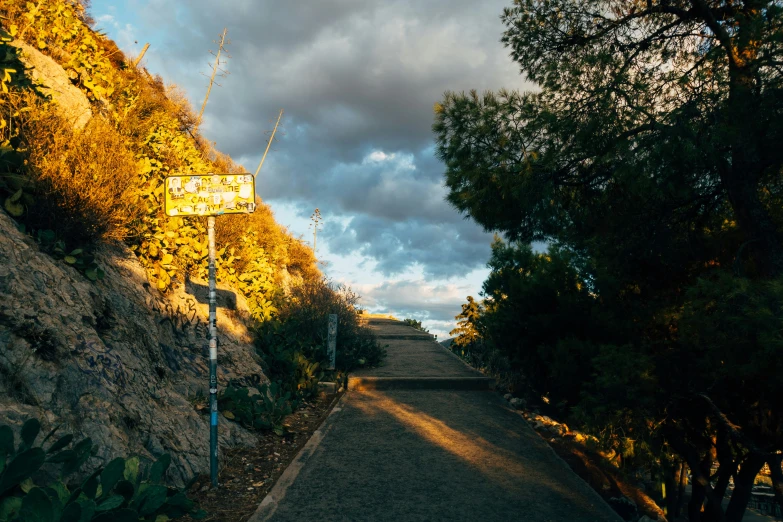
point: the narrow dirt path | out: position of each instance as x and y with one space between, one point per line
423 438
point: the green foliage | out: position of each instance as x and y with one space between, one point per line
80 258
117 491
302 328
286 360
293 349
644 162
413 323
265 409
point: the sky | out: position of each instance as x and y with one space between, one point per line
357 80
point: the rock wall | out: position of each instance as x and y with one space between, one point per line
54 82
114 360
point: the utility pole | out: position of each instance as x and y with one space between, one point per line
317 220
269 143
215 68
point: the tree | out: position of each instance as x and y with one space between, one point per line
683 94
650 161
466 331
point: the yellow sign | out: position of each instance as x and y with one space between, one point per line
210 194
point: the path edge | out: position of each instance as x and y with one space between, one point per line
467 364
503 403
272 499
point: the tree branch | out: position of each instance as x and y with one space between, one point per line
682 14
733 430
720 32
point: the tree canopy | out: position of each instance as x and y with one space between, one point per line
649 161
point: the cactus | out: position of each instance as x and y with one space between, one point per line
121 491
265 410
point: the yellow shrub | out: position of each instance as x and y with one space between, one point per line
85 182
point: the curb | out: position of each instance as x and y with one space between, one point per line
419 383
464 362
272 499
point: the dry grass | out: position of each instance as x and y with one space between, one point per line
85 182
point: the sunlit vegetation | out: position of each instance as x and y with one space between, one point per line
106 181
73 189
650 164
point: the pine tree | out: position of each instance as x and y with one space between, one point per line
466 331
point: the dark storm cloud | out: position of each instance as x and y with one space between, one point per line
356 78
352 73
441 250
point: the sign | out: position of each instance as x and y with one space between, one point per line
210 195
331 343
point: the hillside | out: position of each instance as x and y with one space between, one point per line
113 360
103 321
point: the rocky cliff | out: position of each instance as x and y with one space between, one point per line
114 360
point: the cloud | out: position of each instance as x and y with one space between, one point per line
439 250
441 301
351 74
386 208
357 80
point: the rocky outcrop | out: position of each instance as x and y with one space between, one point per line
114 360
55 82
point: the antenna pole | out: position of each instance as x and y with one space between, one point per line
215 69
269 143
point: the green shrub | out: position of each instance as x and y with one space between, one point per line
413 323
301 326
264 410
286 361
293 349
118 492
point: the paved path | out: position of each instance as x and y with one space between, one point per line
441 451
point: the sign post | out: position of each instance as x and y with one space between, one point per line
211 195
213 403
331 342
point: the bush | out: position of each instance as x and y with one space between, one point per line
302 321
293 344
286 363
263 410
485 357
413 323
117 492
82 183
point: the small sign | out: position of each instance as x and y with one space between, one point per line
331 342
210 194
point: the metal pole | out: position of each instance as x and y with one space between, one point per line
213 406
